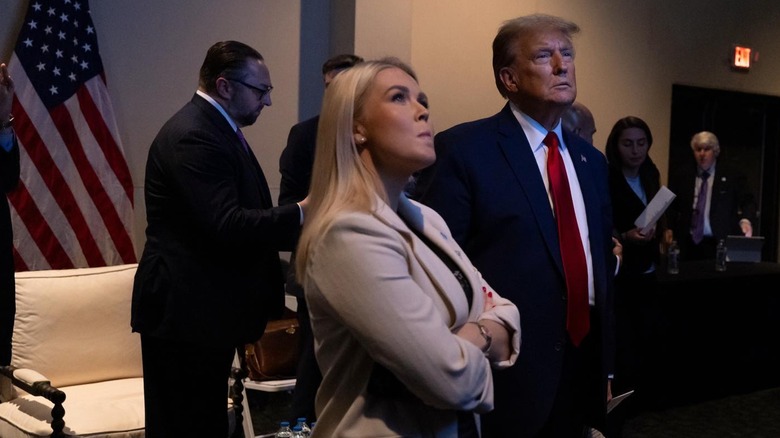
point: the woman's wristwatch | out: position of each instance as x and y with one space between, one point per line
486 335
7 123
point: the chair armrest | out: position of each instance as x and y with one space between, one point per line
27 376
37 384
33 382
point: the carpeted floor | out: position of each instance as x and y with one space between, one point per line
754 415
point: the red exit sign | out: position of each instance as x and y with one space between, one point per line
740 57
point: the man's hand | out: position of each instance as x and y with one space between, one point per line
617 250
6 93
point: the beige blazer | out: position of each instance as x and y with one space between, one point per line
378 295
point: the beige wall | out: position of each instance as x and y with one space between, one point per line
384 28
152 51
629 54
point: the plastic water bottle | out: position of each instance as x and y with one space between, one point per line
305 429
284 430
673 258
297 432
721 254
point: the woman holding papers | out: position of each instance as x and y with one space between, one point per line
633 182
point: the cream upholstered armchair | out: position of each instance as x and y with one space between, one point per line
75 366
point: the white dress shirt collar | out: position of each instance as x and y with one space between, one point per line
219 108
534 131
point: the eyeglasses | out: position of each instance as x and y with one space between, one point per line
260 92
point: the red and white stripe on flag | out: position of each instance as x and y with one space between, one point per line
74 204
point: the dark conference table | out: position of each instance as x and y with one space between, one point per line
717 333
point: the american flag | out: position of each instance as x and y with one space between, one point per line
74 204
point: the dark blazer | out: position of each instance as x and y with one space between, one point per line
626 207
9 178
730 202
210 271
295 165
487 186
297 160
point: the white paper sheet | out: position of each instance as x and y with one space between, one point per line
655 209
617 399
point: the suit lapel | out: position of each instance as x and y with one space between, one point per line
584 175
262 183
515 147
588 163
251 167
413 218
688 194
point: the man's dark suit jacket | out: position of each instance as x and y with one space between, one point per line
297 160
487 186
730 202
9 178
210 271
295 165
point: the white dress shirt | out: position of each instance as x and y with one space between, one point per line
535 134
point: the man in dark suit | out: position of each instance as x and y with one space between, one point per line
210 274
490 183
297 158
295 165
724 208
9 178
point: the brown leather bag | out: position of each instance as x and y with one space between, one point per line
275 355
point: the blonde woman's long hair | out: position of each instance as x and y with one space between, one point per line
340 180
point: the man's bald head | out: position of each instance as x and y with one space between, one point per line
579 120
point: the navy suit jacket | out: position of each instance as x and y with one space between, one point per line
487 186
297 160
210 271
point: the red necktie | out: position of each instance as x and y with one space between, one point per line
574 264
243 140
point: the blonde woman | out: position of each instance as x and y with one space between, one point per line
405 328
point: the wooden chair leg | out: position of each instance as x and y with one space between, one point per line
243 422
